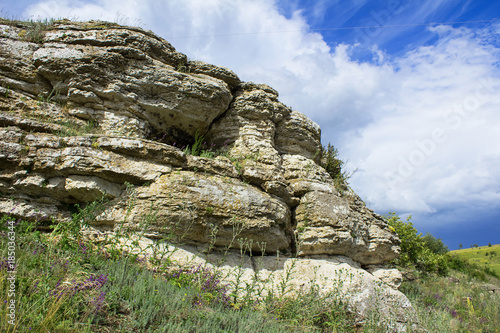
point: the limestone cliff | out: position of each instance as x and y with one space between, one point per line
92 106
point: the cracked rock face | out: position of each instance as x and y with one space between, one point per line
127 80
97 108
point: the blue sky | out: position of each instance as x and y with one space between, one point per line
411 100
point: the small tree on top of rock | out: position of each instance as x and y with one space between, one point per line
333 165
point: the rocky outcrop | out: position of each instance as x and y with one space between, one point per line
128 81
336 224
139 100
96 108
208 207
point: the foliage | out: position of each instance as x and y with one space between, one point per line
330 161
51 286
442 303
196 148
424 253
69 231
333 165
484 259
429 255
31 30
66 282
69 128
436 245
201 148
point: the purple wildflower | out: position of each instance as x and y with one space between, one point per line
98 303
34 288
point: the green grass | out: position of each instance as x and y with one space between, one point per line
32 30
66 284
483 255
126 298
455 303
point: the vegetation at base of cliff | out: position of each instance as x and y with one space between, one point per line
65 283
428 254
450 294
455 303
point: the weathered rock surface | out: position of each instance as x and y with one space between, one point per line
328 223
201 208
97 108
127 80
392 277
140 98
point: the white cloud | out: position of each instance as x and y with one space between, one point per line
422 129
438 148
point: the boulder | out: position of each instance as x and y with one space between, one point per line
332 224
205 209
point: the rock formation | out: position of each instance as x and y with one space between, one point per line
91 107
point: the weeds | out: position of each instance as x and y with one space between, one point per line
51 97
202 149
455 304
7 92
31 30
68 283
69 128
79 288
333 165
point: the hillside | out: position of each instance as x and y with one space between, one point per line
488 256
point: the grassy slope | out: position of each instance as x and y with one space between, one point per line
455 303
82 289
484 255
65 285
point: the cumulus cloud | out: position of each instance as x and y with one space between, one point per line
422 129
437 146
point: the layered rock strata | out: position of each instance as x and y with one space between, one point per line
96 108
140 99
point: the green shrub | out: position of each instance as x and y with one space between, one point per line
427 254
436 245
333 165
